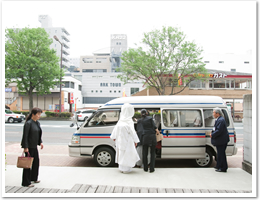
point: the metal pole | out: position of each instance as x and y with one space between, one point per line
55 37
60 73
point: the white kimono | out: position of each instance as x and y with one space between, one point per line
125 138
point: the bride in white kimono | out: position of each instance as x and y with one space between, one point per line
126 139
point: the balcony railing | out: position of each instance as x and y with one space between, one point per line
65 44
65 37
66 51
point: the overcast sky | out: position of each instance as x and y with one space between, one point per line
216 26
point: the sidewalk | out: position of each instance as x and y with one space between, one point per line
235 179
60 173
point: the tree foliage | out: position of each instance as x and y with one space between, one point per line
164 59
30 62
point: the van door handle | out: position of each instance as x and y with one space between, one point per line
167 133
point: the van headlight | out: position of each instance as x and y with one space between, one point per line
75 140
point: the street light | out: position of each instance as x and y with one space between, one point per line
55 37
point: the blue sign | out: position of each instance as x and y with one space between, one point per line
8 89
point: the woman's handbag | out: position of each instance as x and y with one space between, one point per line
24 162
159 137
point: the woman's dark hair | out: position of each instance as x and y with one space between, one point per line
144 113
34 111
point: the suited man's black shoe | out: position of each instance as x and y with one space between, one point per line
219 170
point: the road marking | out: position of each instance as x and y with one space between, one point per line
51 126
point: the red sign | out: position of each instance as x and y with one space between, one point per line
71 101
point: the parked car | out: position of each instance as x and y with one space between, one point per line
12 117
82 115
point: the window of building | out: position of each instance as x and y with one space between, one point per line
114 91
206 61
243 84
221 61
134 90
72 85
110 91
100 91
101 84
80 87
119 43
246 62
87 60
96 91
65 100
119 91
119 84
92 91
219 83
197 84
182 118
106 84
233 70
111 84
66 84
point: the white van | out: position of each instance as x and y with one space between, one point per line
185 122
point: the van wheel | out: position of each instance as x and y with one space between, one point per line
11 120
104 157
204 162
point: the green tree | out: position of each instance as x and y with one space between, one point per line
164 59
30 62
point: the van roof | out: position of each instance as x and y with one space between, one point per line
167 100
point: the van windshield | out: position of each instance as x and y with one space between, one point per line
104 118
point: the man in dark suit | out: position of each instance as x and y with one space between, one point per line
220 139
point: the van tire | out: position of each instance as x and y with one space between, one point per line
205 162
11 120
104 157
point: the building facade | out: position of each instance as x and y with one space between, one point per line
229 85
63 36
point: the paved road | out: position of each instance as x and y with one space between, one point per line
60 132
57 135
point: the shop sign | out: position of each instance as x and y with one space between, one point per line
71 98
8 89
217 75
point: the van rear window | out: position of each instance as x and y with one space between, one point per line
209 120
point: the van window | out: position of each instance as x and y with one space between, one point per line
182 118
104 118
88 111
210 120
151 111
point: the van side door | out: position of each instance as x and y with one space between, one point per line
184 133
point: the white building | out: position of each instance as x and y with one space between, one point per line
99 88
63 36
229 61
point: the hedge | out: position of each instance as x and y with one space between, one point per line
23 112
56 114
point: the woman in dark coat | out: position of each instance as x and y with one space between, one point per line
148 138
32 136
